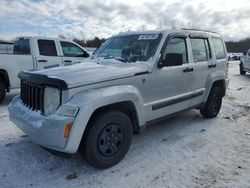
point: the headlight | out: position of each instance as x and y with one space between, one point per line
51 100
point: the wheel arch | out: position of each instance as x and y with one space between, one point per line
215 79
222 85
126 107
4 78
92 102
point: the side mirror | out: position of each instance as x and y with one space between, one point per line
85 54
171 59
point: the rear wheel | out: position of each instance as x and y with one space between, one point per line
2 92
107 140
213 103
242 72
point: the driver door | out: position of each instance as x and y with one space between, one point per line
170 86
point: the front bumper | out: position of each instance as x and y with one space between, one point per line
45 131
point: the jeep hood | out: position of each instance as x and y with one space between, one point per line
90 73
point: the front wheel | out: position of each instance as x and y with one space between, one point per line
242 72
2 92
213 103
107 140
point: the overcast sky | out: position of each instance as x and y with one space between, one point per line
103 18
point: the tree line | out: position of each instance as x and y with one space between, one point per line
94 43
239 46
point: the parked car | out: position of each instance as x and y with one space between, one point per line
234 56
230 56
36 53
237 56
134 79
245 63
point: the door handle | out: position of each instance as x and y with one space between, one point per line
212 66
67 61
188 69
42 61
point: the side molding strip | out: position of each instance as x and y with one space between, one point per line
177 100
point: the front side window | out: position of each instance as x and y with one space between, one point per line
219 48
177 46
130 48
200 49
47 47
71 50
22 47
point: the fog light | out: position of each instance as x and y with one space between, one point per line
68 129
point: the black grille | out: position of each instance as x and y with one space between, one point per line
32 95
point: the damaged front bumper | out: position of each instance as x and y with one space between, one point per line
47 131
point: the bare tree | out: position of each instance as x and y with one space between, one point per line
143 27
62 36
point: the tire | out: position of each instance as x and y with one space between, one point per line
2 92
242 72
213 103
107 140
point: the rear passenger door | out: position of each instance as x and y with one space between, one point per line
48 54
72 53
203 66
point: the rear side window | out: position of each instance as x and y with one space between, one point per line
22 47
47 47
200 49
219 48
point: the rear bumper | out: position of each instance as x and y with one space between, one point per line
45 131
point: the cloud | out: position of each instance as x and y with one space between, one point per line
101 18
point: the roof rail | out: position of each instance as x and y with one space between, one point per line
199 30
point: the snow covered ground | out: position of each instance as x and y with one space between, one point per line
184 151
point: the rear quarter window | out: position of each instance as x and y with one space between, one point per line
219 48
22 47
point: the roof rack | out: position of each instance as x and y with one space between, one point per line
199 30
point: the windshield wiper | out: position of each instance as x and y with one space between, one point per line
107 56
120 59
116 58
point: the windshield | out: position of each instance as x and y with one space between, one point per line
130 48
